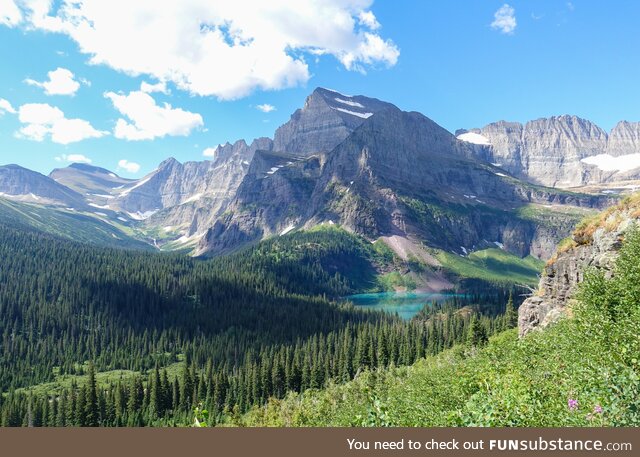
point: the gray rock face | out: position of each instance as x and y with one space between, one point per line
188 197
624 139
87 179
326 119
397 174
550 151
22 184
272 199
562 276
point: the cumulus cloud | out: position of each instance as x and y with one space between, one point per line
210 152
151 88
5 107
73 158
129 167
42 120
368 19
10 14
221 48
505 19
148 120
61 82
266 108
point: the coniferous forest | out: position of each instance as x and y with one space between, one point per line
223 335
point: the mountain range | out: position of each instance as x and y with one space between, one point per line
366 166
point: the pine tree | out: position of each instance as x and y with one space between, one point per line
510 313
91 410
476 334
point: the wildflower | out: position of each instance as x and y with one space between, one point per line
597 409
572 404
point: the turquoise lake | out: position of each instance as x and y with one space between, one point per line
405 304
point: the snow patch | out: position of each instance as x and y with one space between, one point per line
464 250
193 198
289 228
99 206
474 138
607 162
501 174
129 189
112 175
108 197
34 196
353 113
273 170
336 92
120 218
499 244
349 102
138 216
100 214
496 164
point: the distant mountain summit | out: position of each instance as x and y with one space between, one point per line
22 184
88 179
563 151
326 119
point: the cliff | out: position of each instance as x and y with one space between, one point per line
594 244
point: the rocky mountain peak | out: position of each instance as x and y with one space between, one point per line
559 151
324 121
85 167
22 184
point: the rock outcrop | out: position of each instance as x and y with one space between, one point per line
563 151
593 245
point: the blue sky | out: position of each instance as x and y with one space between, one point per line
219 62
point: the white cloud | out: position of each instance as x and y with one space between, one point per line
42 120
370 50
5 107
129 167
368 19
505 19
217 47
210 152
266 108
151 88
61 82
147 120
10 14
73 158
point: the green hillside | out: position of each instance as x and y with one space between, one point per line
493 265
68 224
583 371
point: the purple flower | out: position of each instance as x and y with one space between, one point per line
573 404
597 409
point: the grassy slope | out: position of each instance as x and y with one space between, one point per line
67 224
508 383
591 358
494 265
103 379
